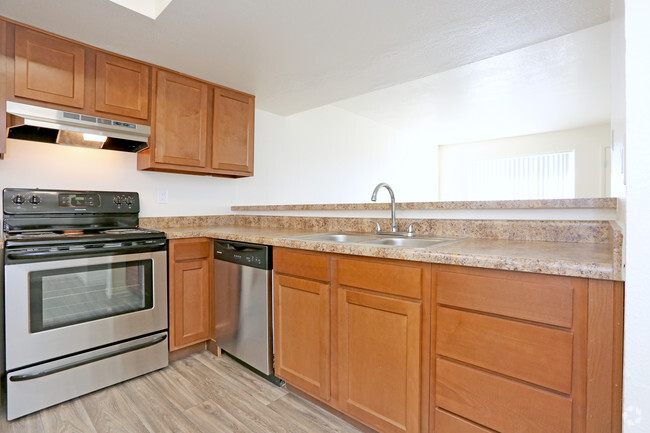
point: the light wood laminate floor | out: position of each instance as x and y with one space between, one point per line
200 393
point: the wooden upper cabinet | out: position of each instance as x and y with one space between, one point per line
232 133
121 86
199 129
48 69
181 121
3 87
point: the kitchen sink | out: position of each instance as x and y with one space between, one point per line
410 242
342 237
382 239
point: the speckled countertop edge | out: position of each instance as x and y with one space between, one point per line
586 260
578 203
599 260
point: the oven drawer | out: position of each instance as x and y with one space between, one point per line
44 385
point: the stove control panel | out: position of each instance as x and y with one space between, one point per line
125 200
19 199
79 200
32 201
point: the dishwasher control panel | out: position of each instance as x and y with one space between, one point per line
243 253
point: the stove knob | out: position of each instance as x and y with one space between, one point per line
19 199
129 200
117 200
34 199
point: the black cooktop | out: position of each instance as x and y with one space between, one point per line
42 217
56 237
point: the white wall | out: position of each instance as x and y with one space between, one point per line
636 384
588 144
326 155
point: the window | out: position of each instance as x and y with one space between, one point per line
528 177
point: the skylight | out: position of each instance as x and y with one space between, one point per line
148 8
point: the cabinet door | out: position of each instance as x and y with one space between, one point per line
232 136
189 292
48 69
3 87
379 360
121 86
181 121
302 334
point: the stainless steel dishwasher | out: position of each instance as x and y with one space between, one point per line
243 303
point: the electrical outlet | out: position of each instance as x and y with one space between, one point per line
163 196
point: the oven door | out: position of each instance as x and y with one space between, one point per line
62 307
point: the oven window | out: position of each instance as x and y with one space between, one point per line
62 297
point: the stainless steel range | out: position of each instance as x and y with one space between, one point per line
85 295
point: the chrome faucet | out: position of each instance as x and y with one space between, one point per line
393 224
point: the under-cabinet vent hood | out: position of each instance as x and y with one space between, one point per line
29 122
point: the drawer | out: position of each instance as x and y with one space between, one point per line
498 403
190 249
314 266
538 298
394 279
532 353
450 423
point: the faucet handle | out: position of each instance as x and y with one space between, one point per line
378 226
409 231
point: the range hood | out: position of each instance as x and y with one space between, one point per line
29 122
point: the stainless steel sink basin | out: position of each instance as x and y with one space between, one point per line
410 242
383 240
342 237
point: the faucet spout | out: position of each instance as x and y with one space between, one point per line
393 223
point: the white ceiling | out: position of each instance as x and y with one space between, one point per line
299 54
559 84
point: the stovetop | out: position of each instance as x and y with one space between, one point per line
54 217
71 233
55 237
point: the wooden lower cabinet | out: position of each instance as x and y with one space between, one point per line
353 333
525 353
302 320
190 284
302 343
412 347
379 360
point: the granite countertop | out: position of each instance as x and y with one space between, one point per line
577 259
576 203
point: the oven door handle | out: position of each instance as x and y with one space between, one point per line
23 377
26 255
45 254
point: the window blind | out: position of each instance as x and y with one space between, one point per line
527 177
